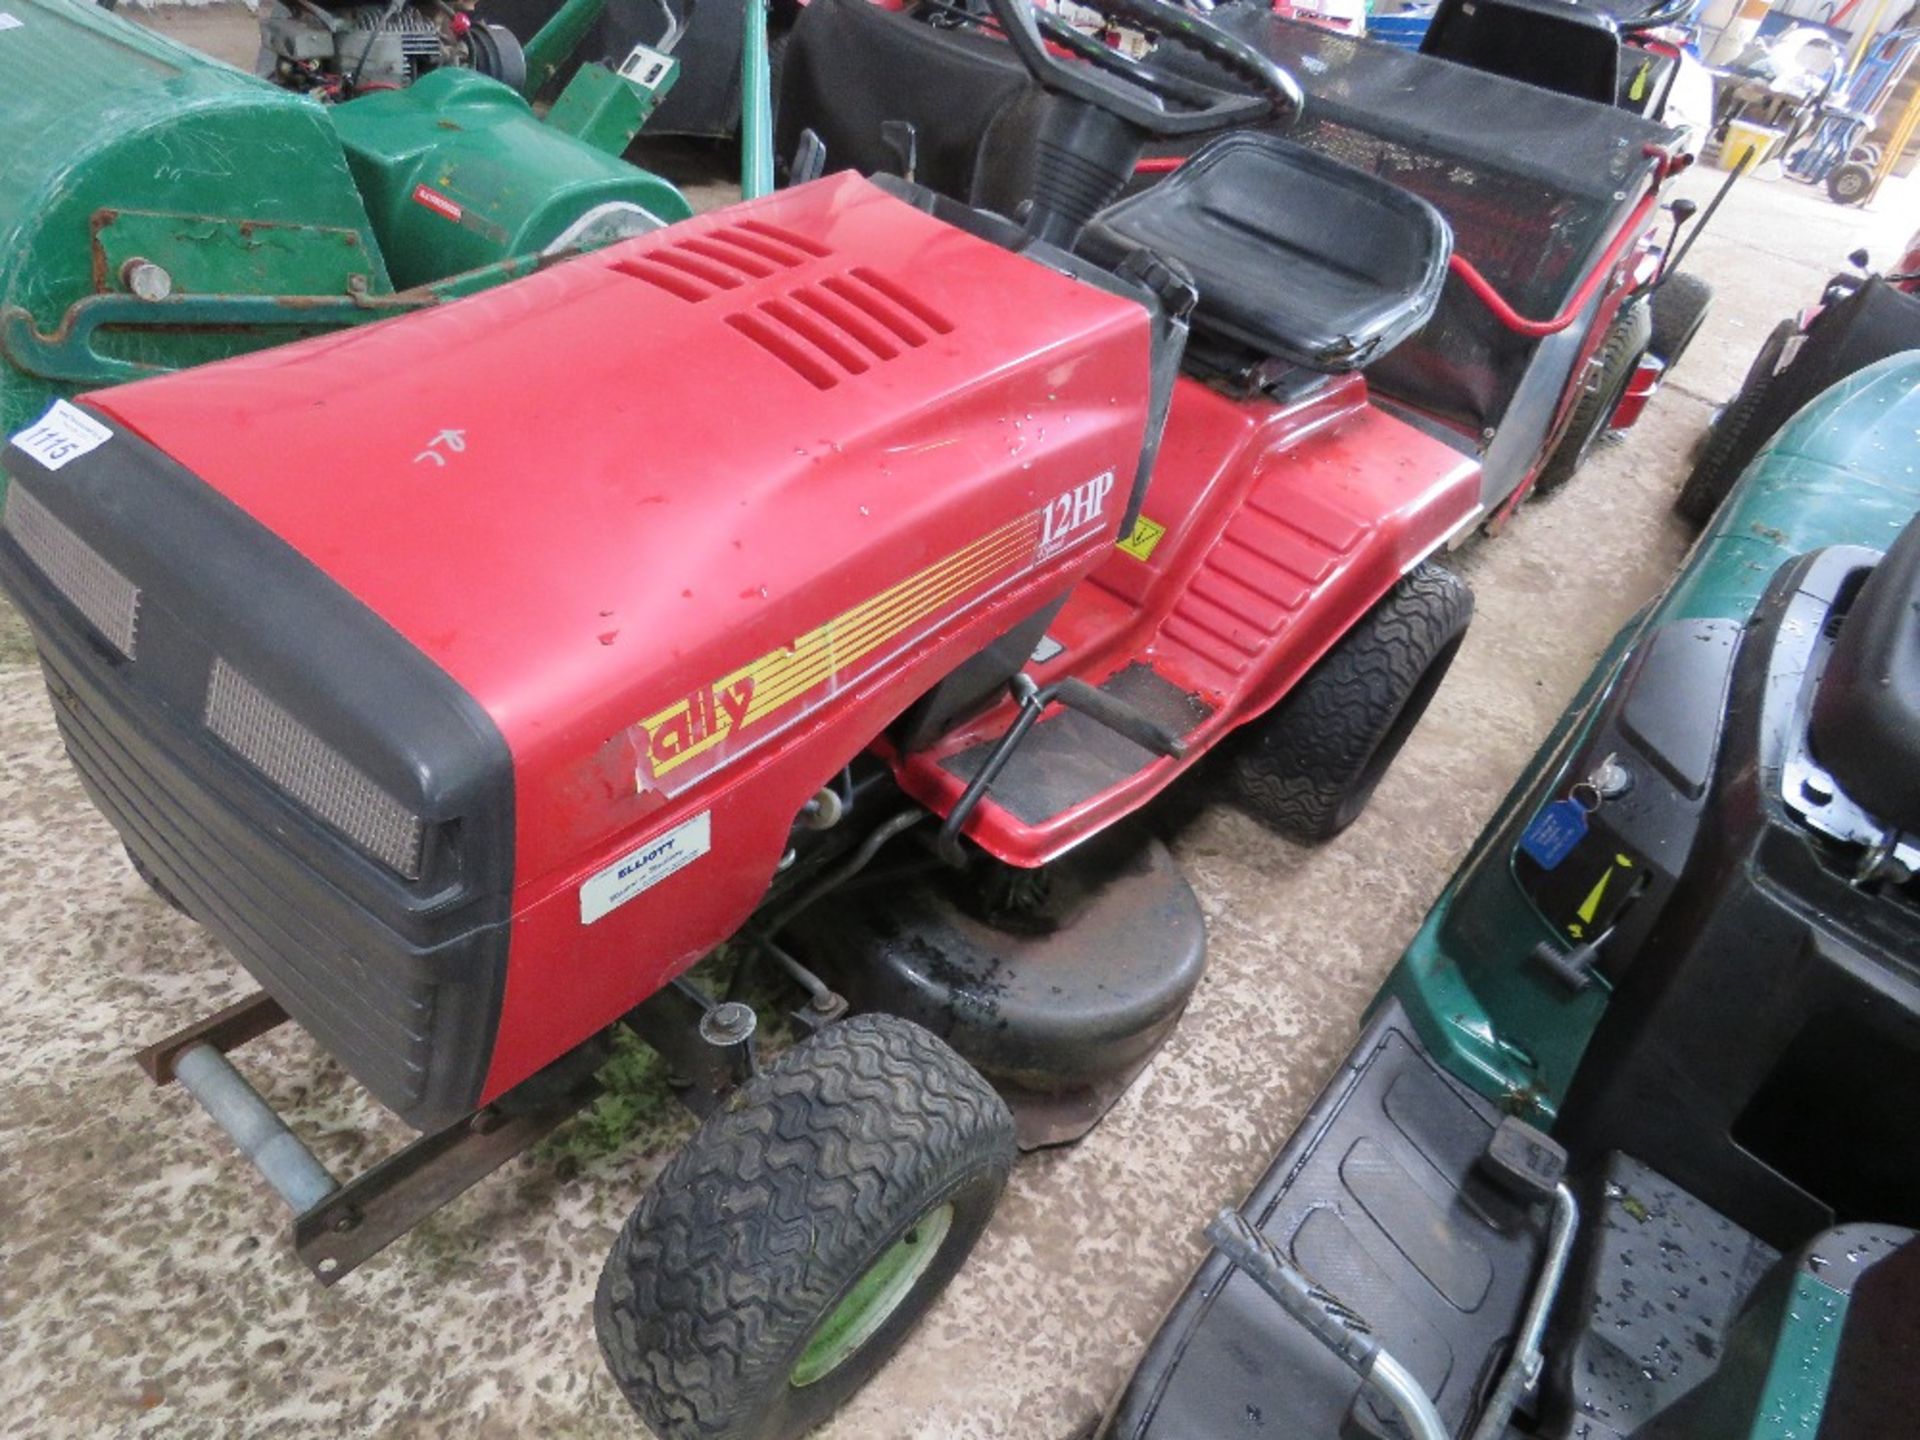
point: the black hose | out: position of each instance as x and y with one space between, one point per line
841 873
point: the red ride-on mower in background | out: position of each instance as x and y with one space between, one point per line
1561 315
815 646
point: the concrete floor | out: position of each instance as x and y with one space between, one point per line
145 1287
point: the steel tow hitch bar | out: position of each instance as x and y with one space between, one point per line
338 1227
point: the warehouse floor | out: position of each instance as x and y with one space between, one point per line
145 1284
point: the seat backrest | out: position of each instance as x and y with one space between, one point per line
849 66
1296 256
1866 712
1550 43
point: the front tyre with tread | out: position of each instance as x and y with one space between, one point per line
789 1247
1307 768
1733 439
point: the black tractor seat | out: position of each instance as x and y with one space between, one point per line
1295 255
1866 713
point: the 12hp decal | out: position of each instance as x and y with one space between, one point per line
1073 512
720 721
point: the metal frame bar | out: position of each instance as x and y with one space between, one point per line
361 1218
339 1227
68 353
226 1029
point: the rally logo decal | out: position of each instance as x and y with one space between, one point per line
699 733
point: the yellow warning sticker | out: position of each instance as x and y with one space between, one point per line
1590 907
1145 535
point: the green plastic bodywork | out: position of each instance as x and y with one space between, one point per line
553 43
1799 1371
1776 1363
1846 470
267 215
99 116
497 181
604 110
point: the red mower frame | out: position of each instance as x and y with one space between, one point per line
471 761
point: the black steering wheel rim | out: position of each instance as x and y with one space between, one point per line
1137 93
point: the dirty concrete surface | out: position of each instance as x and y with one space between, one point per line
146 1287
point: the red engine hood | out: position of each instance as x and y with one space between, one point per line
601 490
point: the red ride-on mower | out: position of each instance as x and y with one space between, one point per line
754 585
1563 312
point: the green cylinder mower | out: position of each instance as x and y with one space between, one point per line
159 209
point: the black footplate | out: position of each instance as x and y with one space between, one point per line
1661 1278
1384 1197
1072 756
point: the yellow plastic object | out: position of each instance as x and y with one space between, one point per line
1742 136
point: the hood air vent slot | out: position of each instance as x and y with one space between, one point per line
702 266
841 327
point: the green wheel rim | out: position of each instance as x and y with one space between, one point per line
873 1298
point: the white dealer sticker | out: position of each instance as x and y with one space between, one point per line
62 434
10 22
646 867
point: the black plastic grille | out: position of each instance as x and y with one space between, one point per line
401 980
306 950
109 601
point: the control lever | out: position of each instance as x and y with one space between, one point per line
1530 1167
1574 968
809 158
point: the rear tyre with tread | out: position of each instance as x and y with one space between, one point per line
1679 310
789 1247
1307 768
1618 357
1731 442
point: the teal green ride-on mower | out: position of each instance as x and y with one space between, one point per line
1627 1148
159 209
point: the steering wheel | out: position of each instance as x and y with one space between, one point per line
1152 100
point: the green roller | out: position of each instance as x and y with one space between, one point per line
118 146
159 209
457 173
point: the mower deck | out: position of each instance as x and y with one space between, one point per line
1059 998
